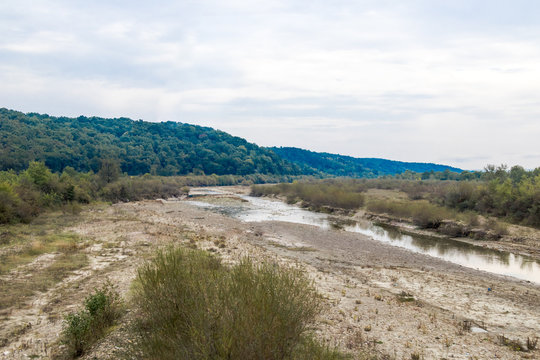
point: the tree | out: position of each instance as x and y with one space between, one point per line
40 175
517 173
109 170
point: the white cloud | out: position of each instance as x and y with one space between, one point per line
418 81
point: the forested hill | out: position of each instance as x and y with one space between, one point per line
167 148
340 165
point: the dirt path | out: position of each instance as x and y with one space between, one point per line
380 298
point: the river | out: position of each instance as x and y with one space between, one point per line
254 209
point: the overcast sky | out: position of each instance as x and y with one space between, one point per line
454 82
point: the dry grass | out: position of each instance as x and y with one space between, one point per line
38 245
17 291
24 243
385 194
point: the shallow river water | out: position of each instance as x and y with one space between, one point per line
469 255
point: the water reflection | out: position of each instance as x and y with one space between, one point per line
469 255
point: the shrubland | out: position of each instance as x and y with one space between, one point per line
319 195
26 194
512 195
191 306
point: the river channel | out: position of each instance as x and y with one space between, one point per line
253 209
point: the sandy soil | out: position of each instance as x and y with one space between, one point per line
379 298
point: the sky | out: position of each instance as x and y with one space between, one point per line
451 82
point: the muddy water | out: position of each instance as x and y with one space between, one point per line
469 255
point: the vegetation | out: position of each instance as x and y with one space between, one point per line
513 195
83 328
194 307
167 148
20 244
423 214
18 290
338 165
26 194
319 195
23 196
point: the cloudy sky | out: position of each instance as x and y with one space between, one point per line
454 82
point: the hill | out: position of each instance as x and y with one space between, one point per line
340 165
166 148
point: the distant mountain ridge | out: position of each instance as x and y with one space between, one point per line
167 148
342 165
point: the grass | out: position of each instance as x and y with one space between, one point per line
16 291
405 297
23 243
514 345
193 307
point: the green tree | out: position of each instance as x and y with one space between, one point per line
517 173
109 171
40 175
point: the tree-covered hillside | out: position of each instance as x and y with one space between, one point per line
340 165
167 148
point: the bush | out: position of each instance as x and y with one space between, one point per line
497 228
133 189
453 229
319 195
428 216
193 307
423 214
84 328
9 203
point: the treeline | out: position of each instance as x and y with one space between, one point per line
165 149
25 194
512 194
340 165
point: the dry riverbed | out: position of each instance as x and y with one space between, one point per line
380 298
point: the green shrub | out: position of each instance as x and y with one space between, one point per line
193 307
85 327
428 216
9 203
319 195
77 332
423 213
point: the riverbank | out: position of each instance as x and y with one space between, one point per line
379 298
409 212
520 240
371 283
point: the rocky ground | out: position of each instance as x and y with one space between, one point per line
380 298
